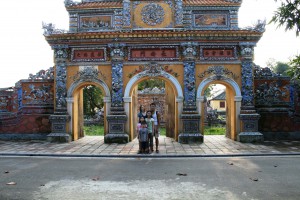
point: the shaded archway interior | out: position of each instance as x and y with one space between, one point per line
231 131
170 107
77 110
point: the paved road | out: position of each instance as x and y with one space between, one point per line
148 178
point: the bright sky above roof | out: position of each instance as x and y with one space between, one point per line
23 49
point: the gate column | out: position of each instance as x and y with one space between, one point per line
249 116
190 116
60 118
117 118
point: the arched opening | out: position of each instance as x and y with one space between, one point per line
232 101
172 106
215 110
76 107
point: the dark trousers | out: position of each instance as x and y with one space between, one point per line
144 146
150 136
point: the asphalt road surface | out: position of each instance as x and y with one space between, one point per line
32 178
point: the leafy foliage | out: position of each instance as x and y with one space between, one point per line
288 15
278 67
214 130
94 130
92 100
207 91
151 83
294 70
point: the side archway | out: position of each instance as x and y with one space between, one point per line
130 106
74 94
233 98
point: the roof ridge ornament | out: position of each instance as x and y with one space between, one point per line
260 26
49 29
70 3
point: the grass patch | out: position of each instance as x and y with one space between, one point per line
162 131
93 130
214 130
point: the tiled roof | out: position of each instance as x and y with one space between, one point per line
101 4
118 4
221 96
209 2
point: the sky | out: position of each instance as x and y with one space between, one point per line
24 50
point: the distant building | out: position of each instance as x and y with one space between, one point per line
218 102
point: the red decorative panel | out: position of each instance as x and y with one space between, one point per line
227 53
156 53
89 54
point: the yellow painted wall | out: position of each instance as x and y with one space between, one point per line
104 70
215 104
131 70
234 68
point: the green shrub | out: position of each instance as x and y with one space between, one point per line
94 130
214 130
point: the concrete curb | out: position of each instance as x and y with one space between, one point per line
144 156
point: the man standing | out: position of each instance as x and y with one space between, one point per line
156 116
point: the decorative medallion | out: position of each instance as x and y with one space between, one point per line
153 14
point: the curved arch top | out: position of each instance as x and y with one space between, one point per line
139 76
208 80
81 81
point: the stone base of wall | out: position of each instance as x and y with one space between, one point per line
116 138
271 136
59 137
23 136
189 138
250 137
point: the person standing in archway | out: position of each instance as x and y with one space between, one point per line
156 116
142 112
150 126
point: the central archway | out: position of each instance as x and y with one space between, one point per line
175 100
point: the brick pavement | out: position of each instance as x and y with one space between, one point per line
95 146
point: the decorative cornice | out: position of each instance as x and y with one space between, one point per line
175 34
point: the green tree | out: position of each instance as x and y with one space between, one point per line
92 100
294 70
207 91
288 15
151 83
278 67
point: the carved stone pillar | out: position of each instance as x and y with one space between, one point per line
249 117
60 118
190 116
117 118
